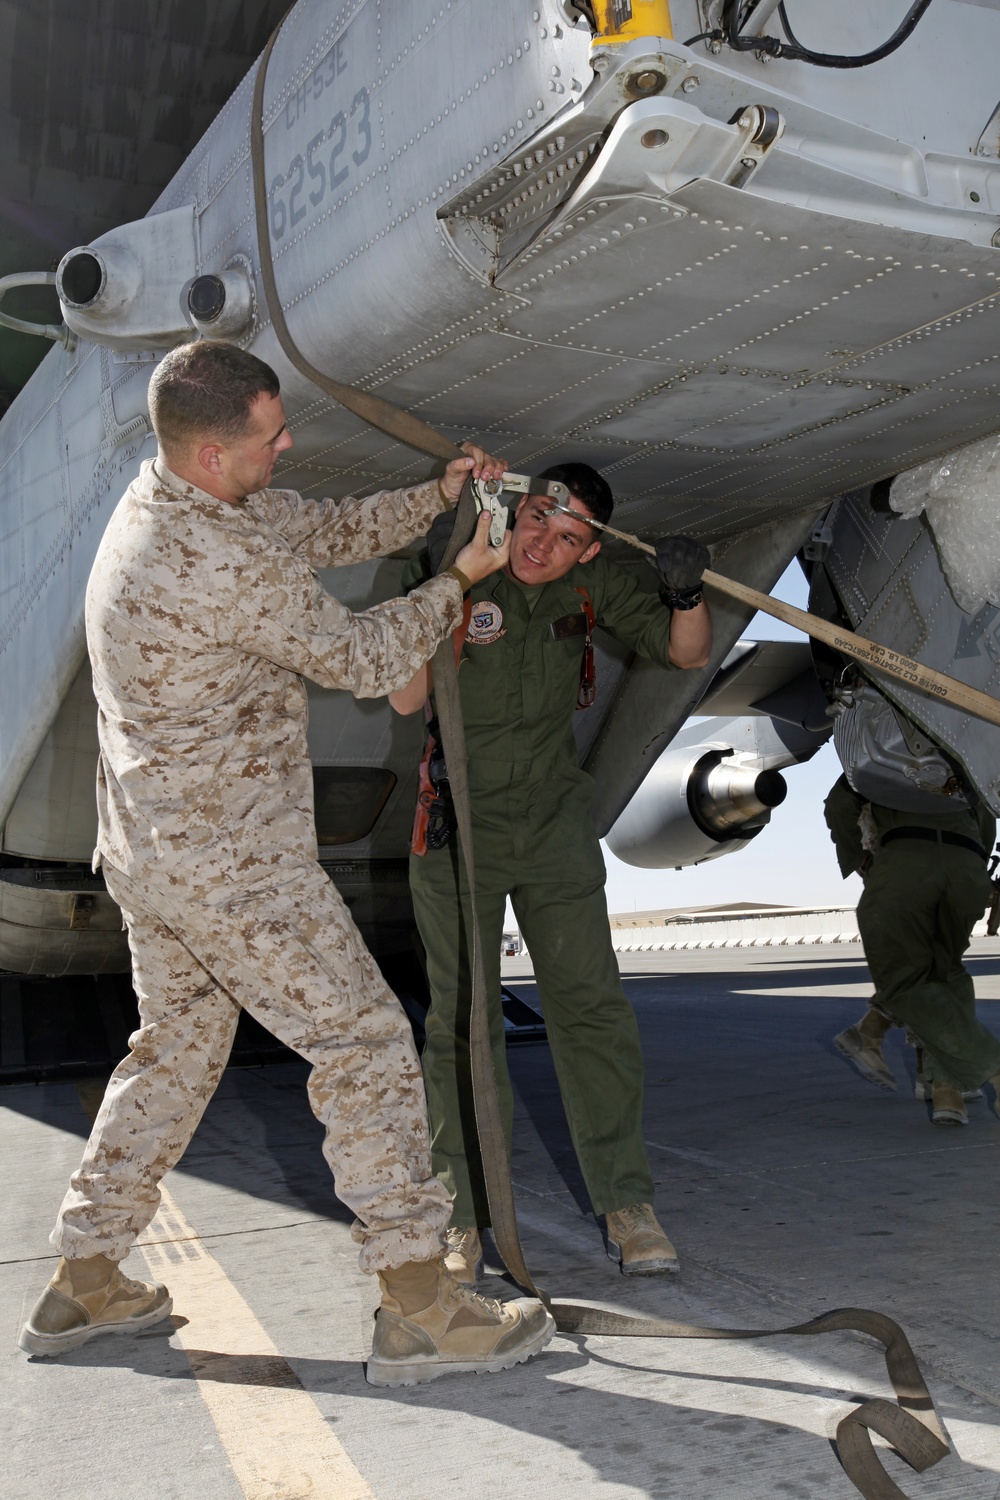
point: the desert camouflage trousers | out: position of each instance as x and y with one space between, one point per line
294 959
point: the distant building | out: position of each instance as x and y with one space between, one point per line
670 914
736 924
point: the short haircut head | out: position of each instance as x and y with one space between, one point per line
205 390
587 485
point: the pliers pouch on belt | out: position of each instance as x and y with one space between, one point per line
434 820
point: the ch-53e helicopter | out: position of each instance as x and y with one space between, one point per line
742 257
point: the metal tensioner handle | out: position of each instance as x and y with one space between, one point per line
489 496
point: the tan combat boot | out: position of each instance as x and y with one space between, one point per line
464 1256
947 1105
636 1239
861 1044
429 1326
88 1297
922 1089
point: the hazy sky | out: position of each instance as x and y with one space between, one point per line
791 862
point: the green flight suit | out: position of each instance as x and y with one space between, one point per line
920 903
535 840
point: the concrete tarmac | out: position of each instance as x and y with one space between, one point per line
789 1185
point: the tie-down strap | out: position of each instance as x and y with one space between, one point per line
911 1424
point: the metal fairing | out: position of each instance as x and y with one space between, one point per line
889 578
483 215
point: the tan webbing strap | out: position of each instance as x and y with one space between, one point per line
882 658
911 1425
399 424
489 1124
927 679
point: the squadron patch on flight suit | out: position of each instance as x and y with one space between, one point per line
486 624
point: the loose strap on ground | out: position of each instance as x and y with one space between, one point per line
910 1424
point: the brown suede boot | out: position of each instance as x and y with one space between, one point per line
638 1242
88 1297
429 1326
947 1106
861 1044
922 1089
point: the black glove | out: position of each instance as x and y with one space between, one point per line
680 562
438 538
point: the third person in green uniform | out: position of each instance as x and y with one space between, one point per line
925 888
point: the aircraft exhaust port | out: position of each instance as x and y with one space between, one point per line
207 298
221 306
699 802
82 278
125 289
724 799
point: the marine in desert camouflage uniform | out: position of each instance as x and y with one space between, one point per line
203 614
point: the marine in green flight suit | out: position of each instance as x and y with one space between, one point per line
519 676
925 888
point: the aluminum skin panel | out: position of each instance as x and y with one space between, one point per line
784 342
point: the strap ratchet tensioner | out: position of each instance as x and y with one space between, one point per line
489 496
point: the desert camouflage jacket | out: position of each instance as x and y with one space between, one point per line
201 616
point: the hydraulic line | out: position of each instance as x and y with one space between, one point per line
834 60
58 332
731 33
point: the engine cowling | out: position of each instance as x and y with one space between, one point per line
697 803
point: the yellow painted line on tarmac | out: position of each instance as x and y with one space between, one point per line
276 1439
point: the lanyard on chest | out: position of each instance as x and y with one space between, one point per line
587 691
581 623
